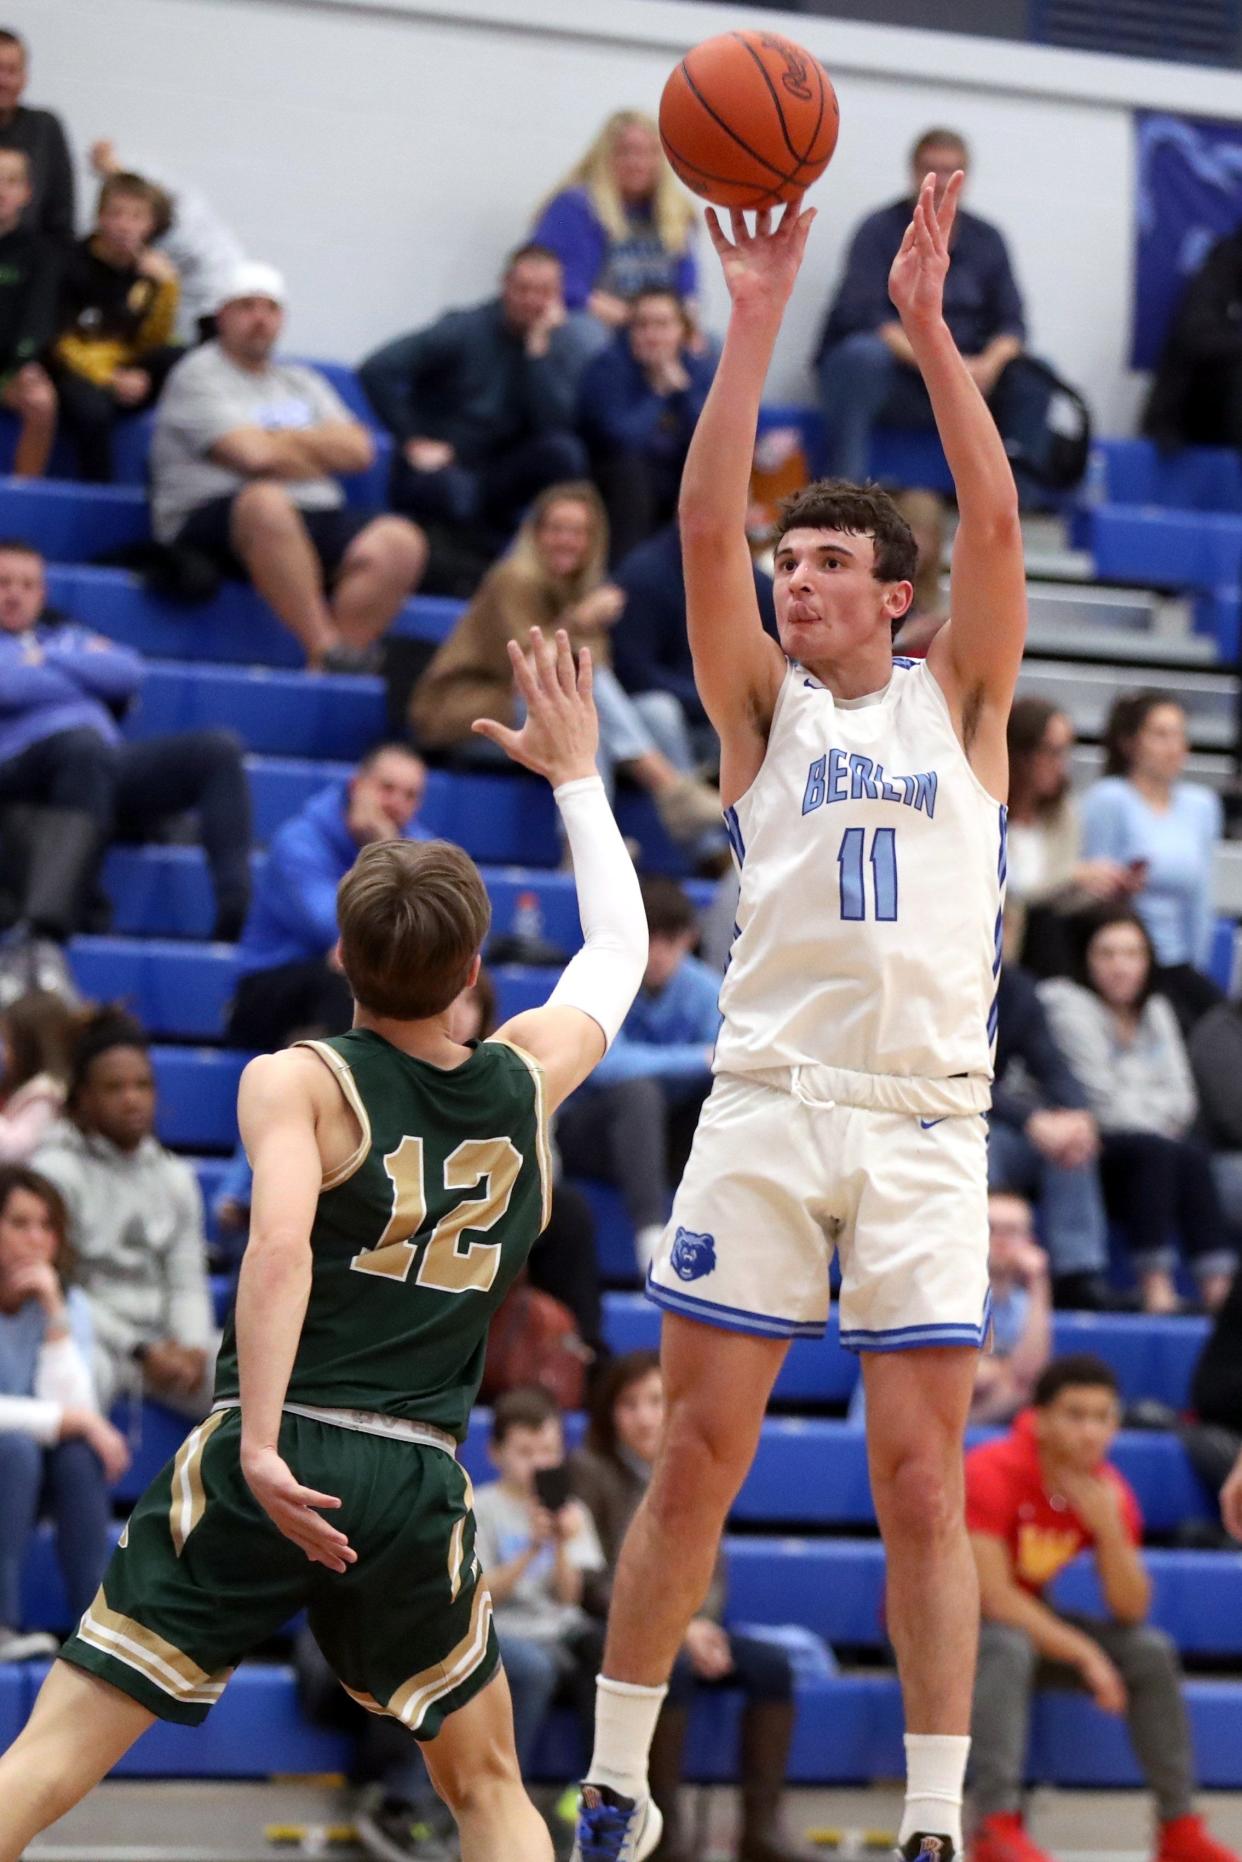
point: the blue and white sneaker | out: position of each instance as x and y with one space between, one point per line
612 1828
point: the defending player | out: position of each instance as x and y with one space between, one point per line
399 1181
866 810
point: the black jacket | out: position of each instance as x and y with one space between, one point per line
1023 1034
1204 338
39 133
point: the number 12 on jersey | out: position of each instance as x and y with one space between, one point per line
853 859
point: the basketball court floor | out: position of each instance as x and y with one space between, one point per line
174 1822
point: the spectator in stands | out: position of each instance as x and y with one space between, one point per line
288 979
1043 1139
1215 1047
481 404
61 750
57 1453
1164 831
30 265
554 577
866 368
650 644
610 1474
537 1546
39 134
1122 1040
1213 1439
135 1225
638 405
1021 1311
563 1262
245 464
633 1123
1034 1500
37 1034
619 222
1049 879
118 313
202 248
1196 395
929 610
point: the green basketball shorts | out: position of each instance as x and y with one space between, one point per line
201 1575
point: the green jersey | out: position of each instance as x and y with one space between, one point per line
420 1234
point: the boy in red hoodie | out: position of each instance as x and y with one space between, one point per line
1034 1500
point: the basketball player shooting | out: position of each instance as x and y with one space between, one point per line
865 804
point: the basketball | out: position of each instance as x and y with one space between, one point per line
749 119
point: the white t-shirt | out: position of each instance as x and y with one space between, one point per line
503 1532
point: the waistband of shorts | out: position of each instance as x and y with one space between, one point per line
371 1422
960 1097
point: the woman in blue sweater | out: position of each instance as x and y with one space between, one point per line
57 1453
619 223
1164 831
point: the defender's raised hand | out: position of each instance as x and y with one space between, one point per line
760 267
916 281
560 734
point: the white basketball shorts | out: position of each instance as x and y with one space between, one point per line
774 1185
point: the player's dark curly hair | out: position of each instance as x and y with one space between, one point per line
859 511
107 1028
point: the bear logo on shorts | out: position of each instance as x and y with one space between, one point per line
693 1255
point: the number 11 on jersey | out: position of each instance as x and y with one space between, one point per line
852 860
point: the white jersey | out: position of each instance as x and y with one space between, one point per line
872 862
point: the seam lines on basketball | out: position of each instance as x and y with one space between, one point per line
733 135
766 75
761 193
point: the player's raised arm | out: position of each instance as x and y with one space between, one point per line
558 740
277 1113
977 655
737 668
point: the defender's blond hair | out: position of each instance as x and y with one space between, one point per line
672 210
413 916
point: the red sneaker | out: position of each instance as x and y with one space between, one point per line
1186 1839
1001 1838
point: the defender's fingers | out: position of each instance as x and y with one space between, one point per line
564 663
496 733
523 673
543 659
586 674
789 215
715 231
763 222
738 227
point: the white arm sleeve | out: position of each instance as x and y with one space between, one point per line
603 979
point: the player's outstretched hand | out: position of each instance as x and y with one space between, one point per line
916 281
560 734
760 267
296 1510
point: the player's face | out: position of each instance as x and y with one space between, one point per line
635 162
22 591
1117 963
14 185
1078 1426
1159 748
564 537
638 1416
12 76
524 1451
27 1235
828 602
250 327
118 1099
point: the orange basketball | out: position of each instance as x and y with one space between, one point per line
749 119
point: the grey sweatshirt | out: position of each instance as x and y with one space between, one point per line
136 1227
1142 1085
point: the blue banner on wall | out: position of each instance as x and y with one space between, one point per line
1189 196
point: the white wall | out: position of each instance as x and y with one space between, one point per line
385 155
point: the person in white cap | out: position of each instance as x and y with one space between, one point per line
246 462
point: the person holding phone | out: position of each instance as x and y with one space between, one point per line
536 1546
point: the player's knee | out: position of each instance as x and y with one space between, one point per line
917 1497
700 1471
486 1783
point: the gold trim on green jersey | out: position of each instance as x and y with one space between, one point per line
412 1699
149 1655
343 1074
189 1498
543 1145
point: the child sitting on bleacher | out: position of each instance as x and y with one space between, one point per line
118 312
57 1453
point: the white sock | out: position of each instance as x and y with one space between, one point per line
935 1773
625 1718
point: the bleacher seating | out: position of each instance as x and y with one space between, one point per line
226 663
